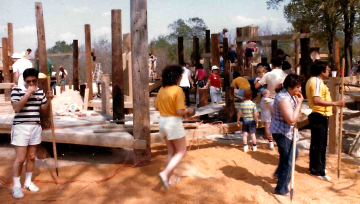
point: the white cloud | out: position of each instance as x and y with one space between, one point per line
81 10
68 37
108 13
25 29
103 32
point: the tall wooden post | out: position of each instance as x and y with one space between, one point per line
230 105
207 50
181 58
42 83
227 70
141 112
306 60
127 59
240 52
152 52
88 60
334 119
6 64
336 55
117 66
274 47
10 39
127 42
76 65
297 57
105 94
196 50
215 50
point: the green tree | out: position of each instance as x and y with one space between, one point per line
61 47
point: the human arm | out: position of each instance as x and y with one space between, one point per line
186 111
256 117
18 104
288 59
196 74
16 77
46 104
319 102
291 116
238 117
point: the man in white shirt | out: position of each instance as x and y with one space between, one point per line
274 78
19 66
186 83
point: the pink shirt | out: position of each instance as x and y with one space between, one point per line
201 74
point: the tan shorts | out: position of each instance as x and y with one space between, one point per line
26 134
171 127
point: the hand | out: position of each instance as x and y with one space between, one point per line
256 124
339 103
238 123
31 90
299 98
190 112
50 95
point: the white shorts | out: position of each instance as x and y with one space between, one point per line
26 134
265 116
171 127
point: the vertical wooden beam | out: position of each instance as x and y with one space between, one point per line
88 61
297 57
181 58
141 112
42 83
306 60
240 52
274 47
215 50
117 66
207 50
86 100
105 94
127 60
76 65
152 52
230 105
226 63
127 42
6 64
336 54
196 50
334 119
10 38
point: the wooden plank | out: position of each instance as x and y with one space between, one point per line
336 57
76 65
274 37
139 55
105 95
10 38
88 61
215 50
86 99
117 66
227 71
205 55
6 85
334 119
97 104
181 58
6 65
63 54
230 104
155 85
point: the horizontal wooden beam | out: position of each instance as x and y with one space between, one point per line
205 55
6 85
274 37
63 54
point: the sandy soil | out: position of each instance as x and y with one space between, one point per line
215 173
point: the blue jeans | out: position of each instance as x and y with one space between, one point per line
283 171
240 92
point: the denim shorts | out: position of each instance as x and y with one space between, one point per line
240 92
249 126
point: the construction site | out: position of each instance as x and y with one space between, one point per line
101 140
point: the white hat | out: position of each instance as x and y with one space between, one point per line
214 67
16 56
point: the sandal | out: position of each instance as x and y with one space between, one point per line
164 182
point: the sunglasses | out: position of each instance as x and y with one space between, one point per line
31 81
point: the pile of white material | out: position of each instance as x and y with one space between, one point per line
61 102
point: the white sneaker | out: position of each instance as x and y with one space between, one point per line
17 192
31 187
271 145
254 148
325 178
246 148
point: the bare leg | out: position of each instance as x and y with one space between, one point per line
171 153
253 138
19 160
245 134
30 162
267 131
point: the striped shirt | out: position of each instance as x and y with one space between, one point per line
248 109
31 111
278 122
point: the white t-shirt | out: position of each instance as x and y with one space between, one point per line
19 67
185 82
273 79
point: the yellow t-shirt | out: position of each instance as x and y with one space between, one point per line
316 87
169 100
241 83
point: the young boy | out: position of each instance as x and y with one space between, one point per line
27 101
247 110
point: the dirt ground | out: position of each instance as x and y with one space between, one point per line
214 173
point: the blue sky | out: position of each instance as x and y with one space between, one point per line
65 19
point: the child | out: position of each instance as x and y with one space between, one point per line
266 112
27 101
170 103
248 111
260 71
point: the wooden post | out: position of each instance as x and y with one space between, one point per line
181 58
70 84
230 105
297 57
334 119
10 39
207 50
336 55
76 65
117 66
88 61
226 63
240 53
127 42
152 52
141 112
127 59
274 47
306 60
42 83
105 94
196 50
203 97
86 100
82 90
215 50
6 64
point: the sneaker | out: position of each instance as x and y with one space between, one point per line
325 178
17 192
246 148
31 187
271 146
254 148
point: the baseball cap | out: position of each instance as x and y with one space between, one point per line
16 56
225 29
214 67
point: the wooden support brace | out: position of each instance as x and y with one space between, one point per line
105 95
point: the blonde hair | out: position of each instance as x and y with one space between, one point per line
261 69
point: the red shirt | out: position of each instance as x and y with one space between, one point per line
215 80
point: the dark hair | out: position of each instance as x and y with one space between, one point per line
280 52
236 74
248 94
182 64
277 61
171 74
318 67
291 81
30 72
199 66
28 49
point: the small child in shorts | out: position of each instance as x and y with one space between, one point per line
260 71
266 112
247 110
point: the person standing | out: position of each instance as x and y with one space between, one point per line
27 102
232 55
200 80
287 65
287 105
249 54
19 66
214 82
222 35
320 102
63 76
186 83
